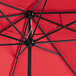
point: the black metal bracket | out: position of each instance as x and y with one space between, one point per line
29 14
29 42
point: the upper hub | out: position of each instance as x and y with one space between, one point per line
30 14
29 42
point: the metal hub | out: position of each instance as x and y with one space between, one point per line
29 42
30 14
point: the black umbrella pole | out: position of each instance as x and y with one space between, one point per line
29 61
29 47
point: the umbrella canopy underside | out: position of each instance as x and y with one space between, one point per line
54 50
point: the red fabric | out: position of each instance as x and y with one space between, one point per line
43 62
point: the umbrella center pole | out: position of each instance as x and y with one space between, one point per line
29 44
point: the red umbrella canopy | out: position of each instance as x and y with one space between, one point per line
37 38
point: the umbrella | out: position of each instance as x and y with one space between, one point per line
37 38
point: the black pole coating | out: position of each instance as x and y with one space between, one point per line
29 47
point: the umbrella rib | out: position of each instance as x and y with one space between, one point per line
54 46
66 61
12 15
26 27
55 23
11 37
39 17
12 7
36 5
15 66
19 51
11 44
17 59
66 27
58 51
47 50
12 24
49 38
60 55
22 51
56 12
56 41
55 31
45 34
